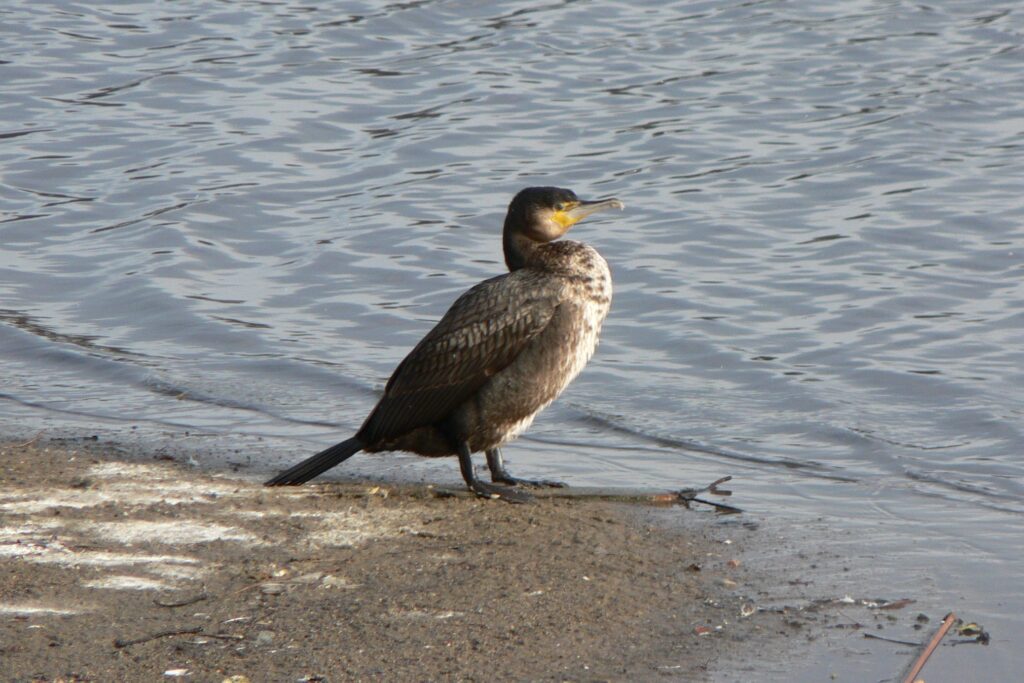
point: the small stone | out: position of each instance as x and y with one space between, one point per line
265 638
312 577
332 581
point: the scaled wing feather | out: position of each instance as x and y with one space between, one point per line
482 333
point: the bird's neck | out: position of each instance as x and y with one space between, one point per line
553 257
520 251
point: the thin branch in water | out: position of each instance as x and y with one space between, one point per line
922 658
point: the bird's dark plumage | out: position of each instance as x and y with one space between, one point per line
480 335
504 350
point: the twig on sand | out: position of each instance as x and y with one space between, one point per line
183 603
198 630
121 643
30 441
919 663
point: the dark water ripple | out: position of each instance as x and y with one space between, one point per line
233 219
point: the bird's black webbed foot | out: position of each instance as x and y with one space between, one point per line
483 489
499 475
505 493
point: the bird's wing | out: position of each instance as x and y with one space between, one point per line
483 331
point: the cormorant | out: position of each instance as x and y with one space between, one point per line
504 350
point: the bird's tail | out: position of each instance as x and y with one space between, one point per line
318 464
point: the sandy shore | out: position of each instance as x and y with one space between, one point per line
148 570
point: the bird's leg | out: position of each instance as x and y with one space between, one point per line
499 475
482 489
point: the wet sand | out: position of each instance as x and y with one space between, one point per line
114 569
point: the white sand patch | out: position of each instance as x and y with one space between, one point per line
37 541
29 610
343 528
354 526
127 582
147 474
421 614
122 483
36 537
174 532
99 558
178 572
20 549
129 470
140 484
35 501
36 527
54 551
258 514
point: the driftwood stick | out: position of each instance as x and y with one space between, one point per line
919 663
625 495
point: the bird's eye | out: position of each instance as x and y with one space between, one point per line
561 206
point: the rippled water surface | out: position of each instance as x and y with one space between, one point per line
223 224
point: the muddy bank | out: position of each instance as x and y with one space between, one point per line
354 581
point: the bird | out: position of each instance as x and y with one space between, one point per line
505 349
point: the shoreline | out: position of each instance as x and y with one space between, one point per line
121 565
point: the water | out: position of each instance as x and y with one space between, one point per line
224 224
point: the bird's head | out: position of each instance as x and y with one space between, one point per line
543 214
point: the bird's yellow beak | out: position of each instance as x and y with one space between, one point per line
574 214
